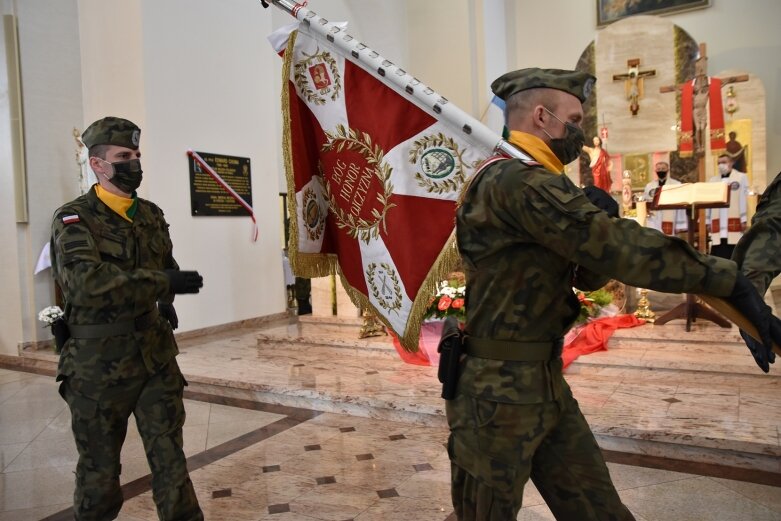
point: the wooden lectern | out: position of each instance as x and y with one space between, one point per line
691 309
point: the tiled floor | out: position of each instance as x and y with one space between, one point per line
281 463
304 420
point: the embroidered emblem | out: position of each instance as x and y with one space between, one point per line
317 77
70 219
135 137
440 164
314 220
734 185
357 183
385 286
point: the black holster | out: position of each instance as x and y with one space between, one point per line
450 347
61 333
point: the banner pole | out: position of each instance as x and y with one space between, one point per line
396 78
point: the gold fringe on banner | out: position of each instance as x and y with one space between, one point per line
323 264
303 264
447 261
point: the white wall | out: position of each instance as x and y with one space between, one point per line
739 34
210 85
197 74
50 69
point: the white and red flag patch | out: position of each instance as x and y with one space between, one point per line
70 219
373 182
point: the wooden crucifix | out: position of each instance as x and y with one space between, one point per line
699 90
633 83
700 103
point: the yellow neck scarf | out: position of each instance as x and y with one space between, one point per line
537 148
119 204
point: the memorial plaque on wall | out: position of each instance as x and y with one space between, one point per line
207 197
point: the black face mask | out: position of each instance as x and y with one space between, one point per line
568 148
127 175
661 174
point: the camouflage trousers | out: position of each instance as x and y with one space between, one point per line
496 447
99 417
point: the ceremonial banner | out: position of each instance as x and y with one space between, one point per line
373 182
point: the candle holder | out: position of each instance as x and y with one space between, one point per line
371 326
644 310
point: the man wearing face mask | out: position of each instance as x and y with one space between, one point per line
728 224
112 257
669 222
527 235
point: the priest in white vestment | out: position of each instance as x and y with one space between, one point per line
670 222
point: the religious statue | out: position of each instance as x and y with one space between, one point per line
87 177
600 164
701 101
633 83
700 104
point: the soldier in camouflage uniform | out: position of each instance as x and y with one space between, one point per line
527 235
758 253
111 255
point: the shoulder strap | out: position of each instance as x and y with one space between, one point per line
525 159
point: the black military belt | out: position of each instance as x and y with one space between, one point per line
140 323
513 351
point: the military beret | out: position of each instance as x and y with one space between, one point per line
577 83
112 131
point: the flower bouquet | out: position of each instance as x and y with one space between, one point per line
54 318
592 304
449 299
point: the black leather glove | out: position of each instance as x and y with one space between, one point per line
746 299
184 281
168 312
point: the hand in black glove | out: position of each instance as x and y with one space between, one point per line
184 281
168 312
746 299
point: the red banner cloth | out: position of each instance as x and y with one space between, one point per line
372 184
593 337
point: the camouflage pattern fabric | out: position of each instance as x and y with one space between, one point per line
109 270
112 131
99 415
577 83
758 253
496 447
526 237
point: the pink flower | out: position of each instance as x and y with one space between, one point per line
444 303
458 303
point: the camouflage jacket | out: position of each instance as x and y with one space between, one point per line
758 252
526 237
109 270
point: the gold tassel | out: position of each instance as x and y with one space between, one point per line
323 264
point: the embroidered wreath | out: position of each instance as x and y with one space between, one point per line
453 182
395 306
357 227
301 68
